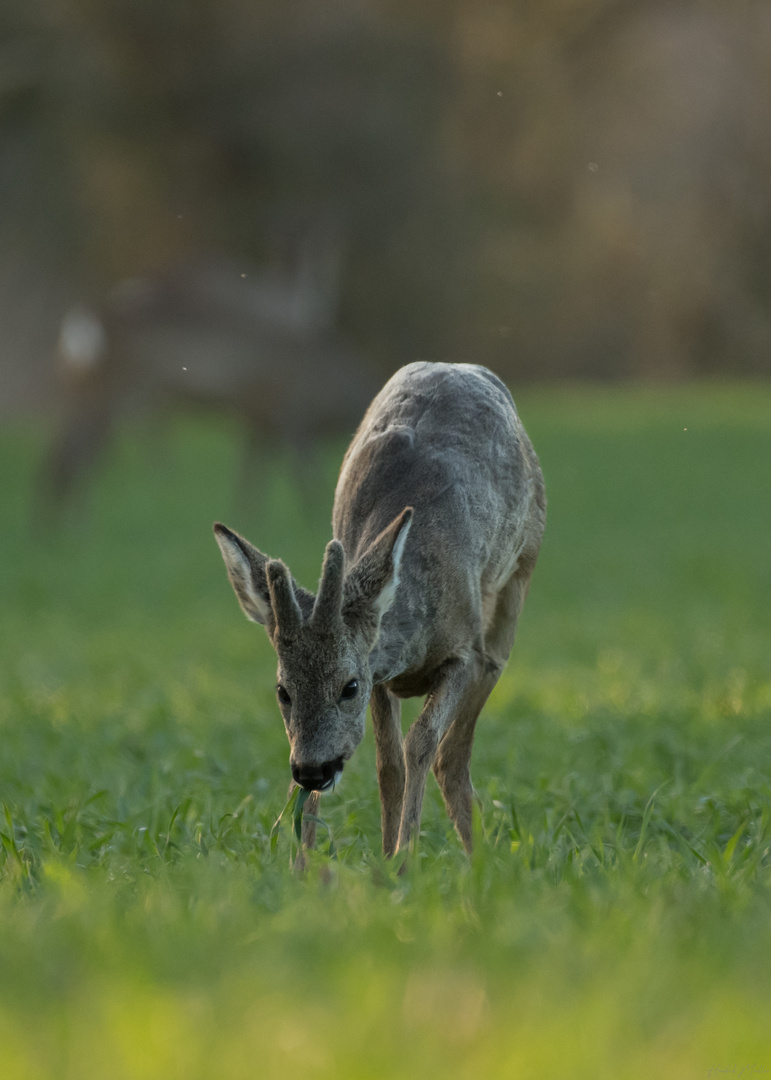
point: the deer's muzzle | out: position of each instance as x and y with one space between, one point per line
317 777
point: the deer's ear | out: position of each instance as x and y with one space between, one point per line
246 569
370 586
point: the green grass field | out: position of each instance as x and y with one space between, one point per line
615 921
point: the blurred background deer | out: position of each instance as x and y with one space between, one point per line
558 191
260 344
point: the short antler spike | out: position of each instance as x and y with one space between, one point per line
285 607
329 602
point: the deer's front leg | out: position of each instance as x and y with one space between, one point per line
386 721
308 828
420 747
311 809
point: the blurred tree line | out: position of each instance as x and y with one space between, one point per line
551 187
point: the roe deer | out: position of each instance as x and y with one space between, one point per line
437 522
260 345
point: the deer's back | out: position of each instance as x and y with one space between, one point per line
447 440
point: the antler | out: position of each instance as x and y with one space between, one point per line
329 602
282 595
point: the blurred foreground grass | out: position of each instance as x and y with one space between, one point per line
616 918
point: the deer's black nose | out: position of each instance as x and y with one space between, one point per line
317 777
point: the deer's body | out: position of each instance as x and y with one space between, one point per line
438 518
258 345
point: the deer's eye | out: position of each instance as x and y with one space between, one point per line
350 690
283 696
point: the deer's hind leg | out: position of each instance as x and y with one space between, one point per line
453 759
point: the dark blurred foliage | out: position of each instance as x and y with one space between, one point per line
550 187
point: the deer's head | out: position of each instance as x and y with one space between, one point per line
323 642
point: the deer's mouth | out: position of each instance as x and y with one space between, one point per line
318 777
332 784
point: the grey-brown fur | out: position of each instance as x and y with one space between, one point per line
437 521
261 346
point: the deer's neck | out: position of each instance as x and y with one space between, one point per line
399 646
